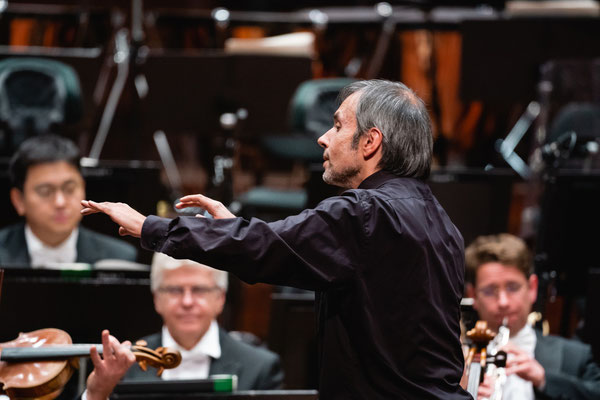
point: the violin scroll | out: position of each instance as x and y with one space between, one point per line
162 358
481 334
475 361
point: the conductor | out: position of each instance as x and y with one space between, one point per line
384 259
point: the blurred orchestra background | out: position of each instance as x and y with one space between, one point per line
201 96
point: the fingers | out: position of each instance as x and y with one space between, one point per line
88 208
122 356
96 360
110 368
194 200
527 368
105 340
91 207
129 220
198 200
215 208
126 232
94 355
523 370
110 345
115 352
88 211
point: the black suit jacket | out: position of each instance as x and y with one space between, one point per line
256 368
91 247
571 372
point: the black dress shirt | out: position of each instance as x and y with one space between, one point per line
387 265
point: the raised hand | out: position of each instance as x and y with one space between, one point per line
130 221
108 369
214 207
524 365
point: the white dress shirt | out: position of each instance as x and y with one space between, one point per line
515 387
195 363
42 255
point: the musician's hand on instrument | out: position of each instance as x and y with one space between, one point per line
525 366
108 368
130 221
214 207
486 388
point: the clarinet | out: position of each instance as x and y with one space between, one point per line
497 368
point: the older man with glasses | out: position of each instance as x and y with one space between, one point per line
189 297
500 280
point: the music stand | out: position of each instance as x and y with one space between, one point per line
82 303
292 335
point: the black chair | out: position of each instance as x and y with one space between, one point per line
37 95
568 157
311 114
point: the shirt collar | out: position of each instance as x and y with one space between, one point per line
376 179
42 254
208 345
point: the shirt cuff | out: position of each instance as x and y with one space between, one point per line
154 231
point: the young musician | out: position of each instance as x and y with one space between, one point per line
501 282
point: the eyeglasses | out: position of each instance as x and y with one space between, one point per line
197 292
47 191
511 288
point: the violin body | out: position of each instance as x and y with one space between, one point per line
38 380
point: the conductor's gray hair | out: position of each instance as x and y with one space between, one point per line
402 118
162 262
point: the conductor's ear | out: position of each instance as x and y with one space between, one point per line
371 142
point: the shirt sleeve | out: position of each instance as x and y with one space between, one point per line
312 250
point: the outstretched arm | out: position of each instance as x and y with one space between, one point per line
130 221
108 369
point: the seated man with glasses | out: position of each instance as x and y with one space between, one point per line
47 188
189 297
500 280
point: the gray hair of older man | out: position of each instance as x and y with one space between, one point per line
162 262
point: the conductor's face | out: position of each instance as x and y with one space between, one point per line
51 200
188 300
342 160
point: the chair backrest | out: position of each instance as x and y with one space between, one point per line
36 95
311 115
313 105
570 100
